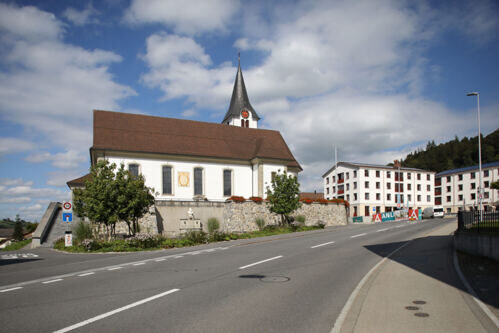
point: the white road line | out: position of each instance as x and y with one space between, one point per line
114 268
139 264
110 313
313 247
52 281
380 230
176 257
10 289
400 226
358 235
158 260
86 274
260 262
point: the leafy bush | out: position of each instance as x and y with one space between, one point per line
260 223
300 218
213 225
90 244
219 236
321 224
196 237
271 227
143 241
82 231
14 246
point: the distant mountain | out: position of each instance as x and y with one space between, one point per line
454 154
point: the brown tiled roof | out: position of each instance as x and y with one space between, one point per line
149 134
78 181
311 195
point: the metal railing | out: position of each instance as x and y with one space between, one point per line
470 221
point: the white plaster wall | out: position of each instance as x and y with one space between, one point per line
267 174
236 121
212 177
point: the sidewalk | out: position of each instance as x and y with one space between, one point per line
416 290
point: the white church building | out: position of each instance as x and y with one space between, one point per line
185 160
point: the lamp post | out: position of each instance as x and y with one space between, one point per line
479 154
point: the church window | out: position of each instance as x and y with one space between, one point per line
133 169
242 122
247 123
167 179
227 183
198 181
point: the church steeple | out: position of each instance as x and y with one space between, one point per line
240 112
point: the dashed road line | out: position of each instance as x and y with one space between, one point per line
323 244
139 264
380 230
52 281
110 313
359 235
114 268
260 262
10 289
161 259
86 274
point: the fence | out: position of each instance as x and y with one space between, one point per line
471 221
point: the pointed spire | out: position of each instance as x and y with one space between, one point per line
239 100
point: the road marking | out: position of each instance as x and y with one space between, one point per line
380 230
313 247
260 262
110 313
400 226
176 257
86 274
52 281
5 290
358 235
158 260
139 264
114 268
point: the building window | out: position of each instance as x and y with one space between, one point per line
366 173
401 198
378 173
327 190
419 197
198 181
460 177
472 186
388 186
419 176
366 196
272 175
334 179
227 183
167 179
472 175
409 187
348 175
388 174
366 184
378 196
366 211
348 187
448 198
378 185
448 179
354 185
460 197
334 189
348 197
419 187
327 180
409 176
133 169
355 211
472 196
486 195
486 184
459 187
428 177
448 188
486 173
428 188
354 173
409 197
355 197
428 198
388 197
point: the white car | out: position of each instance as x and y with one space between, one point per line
438 211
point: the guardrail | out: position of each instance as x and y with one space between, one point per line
473 221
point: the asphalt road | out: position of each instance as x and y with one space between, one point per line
289 283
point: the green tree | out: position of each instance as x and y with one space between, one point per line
18 229
134 198
283 195
495 185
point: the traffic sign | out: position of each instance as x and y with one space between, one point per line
67 206
68 239
67 217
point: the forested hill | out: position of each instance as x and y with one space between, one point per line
454 154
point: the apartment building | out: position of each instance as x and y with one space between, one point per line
458 189
371 188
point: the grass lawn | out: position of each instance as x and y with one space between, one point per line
16 245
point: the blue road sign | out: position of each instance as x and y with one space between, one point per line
67 217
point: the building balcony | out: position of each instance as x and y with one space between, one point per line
341 191
438 191
438 183
341 181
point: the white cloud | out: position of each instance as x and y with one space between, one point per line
59 179
69 160
81 17
14 145
192 17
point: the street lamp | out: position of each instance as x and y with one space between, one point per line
479 153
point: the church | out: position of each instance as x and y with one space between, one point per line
185 160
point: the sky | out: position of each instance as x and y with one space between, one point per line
378 79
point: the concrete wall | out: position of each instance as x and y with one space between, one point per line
477 244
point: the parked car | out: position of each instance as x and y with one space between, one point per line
438 211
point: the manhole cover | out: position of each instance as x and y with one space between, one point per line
419 302
275 279
421 314
412 308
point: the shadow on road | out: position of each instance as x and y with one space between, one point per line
433 256
4 262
